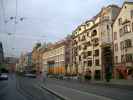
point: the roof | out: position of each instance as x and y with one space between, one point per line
122 8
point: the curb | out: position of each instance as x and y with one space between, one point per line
55 93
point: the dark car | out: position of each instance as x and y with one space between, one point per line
3 76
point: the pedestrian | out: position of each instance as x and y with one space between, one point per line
44 77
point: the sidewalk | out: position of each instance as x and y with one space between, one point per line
125 84
113 83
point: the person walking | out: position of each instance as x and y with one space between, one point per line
44 77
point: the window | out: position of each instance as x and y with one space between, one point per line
97 62
79 47
115 35
89 53
96 52
120 21
83 38
128 43
79 58
79 38
116 59
116 47
85 46
122 58
94 33
129 57
132 27
131 13
95 41
121 32
88 34
84 55
127 29
89 43
122 45
89 63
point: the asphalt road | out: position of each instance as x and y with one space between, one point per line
23 89
8 90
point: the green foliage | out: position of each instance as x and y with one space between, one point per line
3 68
108 76
87 77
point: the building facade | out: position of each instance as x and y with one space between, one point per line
36 58
123 42
56 58
89 41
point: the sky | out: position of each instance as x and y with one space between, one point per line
44 21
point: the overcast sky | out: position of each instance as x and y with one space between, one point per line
44 20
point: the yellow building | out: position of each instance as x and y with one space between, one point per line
54 58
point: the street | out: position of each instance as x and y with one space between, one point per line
22 89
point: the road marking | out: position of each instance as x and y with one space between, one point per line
85 93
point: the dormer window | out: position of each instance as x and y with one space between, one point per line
88 24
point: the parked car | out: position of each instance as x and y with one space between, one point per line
66 77
75 77
30 75
3 76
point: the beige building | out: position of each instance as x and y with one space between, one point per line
123 42
56 59
90 41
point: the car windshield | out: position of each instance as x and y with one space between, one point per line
66 49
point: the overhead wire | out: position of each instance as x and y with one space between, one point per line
3 15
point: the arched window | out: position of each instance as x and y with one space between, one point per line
94 33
